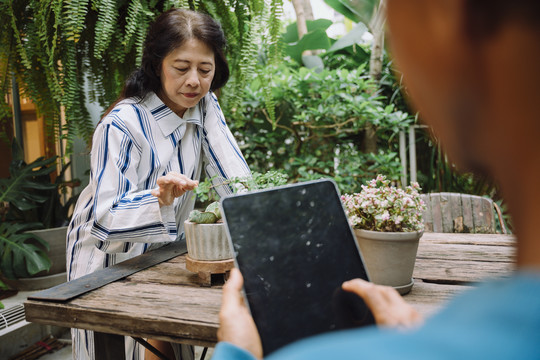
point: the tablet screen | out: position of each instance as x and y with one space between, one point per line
295 248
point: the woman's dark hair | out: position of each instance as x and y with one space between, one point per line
168 32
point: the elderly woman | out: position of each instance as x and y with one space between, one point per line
149 151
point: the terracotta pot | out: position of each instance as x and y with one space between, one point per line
207 242
389 257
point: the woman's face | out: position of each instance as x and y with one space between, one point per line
186 75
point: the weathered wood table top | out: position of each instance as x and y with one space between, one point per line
166 301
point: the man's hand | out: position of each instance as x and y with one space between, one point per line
236 324
388 307
172 186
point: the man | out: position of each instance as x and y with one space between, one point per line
472 70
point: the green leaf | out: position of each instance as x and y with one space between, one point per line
344 9
291 32
351 38
314 40
313 62
21 258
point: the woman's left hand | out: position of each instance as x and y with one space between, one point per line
171 186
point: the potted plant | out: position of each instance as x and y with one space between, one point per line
205 232
33 224
387 222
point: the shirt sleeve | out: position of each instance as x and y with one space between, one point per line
122 212
221 151
225 350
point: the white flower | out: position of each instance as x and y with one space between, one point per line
379 202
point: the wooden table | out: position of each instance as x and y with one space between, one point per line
166 301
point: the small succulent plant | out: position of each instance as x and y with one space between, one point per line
210 215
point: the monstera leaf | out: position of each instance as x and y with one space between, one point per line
20 254
21 189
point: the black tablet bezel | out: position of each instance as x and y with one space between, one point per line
293 312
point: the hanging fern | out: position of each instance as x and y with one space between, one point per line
105 26
55 47
75 12
132 22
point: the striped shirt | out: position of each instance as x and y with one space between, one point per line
116 217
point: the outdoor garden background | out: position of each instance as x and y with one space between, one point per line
303 98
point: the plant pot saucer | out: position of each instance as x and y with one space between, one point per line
404 289
37 282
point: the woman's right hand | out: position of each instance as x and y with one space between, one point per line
171 186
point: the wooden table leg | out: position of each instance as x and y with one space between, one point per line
109 346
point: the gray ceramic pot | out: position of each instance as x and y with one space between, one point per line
207 242
389 257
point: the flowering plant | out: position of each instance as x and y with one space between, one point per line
381 207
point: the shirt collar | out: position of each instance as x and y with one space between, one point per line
166 119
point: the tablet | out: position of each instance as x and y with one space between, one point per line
295 247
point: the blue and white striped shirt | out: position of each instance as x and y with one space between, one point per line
116 217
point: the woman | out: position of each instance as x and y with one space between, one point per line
148 153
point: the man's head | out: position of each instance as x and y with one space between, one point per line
471 69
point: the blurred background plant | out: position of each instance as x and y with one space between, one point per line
300 100
30 199
336 108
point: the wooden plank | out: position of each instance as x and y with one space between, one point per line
468 222
466 252
481 224
428 298
446 216
472 239
150 310
436 212
97 279
488 210
456 212
460 271
171 272
427 216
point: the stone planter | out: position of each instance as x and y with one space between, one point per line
389 257
56 238
207 242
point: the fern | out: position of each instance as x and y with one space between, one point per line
105 26
17 35
51 45
181 4
132 21
75 11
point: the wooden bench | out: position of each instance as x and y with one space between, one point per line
461 213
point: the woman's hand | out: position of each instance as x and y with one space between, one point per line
236 326
172 186
388 307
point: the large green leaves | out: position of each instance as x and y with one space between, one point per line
22 189
315 38
22 253
353 37
355 10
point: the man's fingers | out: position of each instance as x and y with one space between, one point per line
387 306
232 295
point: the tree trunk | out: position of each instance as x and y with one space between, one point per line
304 12
375 66
300 17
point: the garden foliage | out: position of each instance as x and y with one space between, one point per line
321 116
